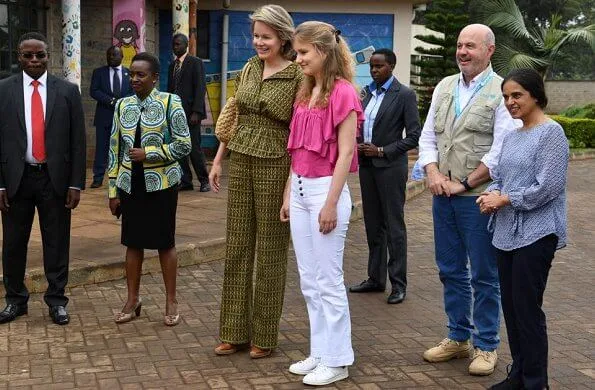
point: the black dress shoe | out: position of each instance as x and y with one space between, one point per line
205 187
185 187
396 297
96 184
366 286
59 315
11 312
509 383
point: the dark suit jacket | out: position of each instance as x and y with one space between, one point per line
65 141
101 91
397 111
192 88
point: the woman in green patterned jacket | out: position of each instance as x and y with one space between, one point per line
149 134
258 171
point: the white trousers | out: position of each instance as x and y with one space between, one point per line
320 264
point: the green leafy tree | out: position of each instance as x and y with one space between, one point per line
533 43
447 17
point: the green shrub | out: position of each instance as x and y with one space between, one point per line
579 131
587 111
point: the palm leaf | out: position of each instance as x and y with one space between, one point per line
508 58
505 14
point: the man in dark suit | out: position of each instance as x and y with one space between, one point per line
186 78
390 107
42 165
108 84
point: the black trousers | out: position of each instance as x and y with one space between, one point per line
383 199
197 158
36 191
102 138
523 275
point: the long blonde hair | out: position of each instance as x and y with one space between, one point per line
338 63
277 18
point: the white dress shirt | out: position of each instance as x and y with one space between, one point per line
27 93
111 76
503 124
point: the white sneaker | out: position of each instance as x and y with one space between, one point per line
304 367
325 375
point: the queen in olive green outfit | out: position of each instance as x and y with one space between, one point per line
259 168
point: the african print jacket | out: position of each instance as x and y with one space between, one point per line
164 137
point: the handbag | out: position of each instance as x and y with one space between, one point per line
227 123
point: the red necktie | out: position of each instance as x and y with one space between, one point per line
37 124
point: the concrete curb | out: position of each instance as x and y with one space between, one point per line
188 254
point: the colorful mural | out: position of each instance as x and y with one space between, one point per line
364 33
129 28
71 43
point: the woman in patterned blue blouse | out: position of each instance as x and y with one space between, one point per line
149 135
527 200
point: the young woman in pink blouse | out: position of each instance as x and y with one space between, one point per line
322 144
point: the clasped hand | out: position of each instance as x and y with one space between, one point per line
137 154
490 202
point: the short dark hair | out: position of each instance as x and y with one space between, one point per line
150 58
111 48
388 54
531 81
33 35
181 36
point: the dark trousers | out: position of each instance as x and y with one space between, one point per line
102 137
36 191
383 199
523 276
197 158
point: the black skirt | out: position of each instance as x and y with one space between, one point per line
148 218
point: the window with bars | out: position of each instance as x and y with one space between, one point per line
16 18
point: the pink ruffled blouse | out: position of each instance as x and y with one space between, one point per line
313 142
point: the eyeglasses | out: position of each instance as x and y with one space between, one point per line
40 55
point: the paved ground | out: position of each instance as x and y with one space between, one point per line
93 352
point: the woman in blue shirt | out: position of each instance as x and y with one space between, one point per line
527 200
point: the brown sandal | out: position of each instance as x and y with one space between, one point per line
227 348
257 353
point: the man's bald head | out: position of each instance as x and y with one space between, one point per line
475 47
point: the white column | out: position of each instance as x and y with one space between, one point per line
71 40
180 16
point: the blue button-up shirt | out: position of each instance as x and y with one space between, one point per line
373 106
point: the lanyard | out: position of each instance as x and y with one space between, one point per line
478 87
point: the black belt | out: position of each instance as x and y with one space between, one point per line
36 167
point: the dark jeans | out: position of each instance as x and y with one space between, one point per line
523 275
197 158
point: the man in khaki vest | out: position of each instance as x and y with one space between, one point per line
459 145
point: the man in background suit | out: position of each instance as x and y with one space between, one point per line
186 78
42 155
389 108
108 84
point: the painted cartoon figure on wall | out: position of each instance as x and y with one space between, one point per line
126 33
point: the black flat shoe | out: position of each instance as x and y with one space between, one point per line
366 286
59 315
11 312
205 187
96 184
185 187
396 297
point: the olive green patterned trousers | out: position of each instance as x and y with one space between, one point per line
251 313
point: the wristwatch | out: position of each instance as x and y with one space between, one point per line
380 151
465 183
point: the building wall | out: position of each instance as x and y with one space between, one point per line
402 11
563 94
96 38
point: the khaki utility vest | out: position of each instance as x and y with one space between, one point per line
463 141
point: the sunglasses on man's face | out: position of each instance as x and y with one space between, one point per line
40 56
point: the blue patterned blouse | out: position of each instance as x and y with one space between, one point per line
532 172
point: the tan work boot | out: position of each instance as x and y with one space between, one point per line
483 362
448 349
